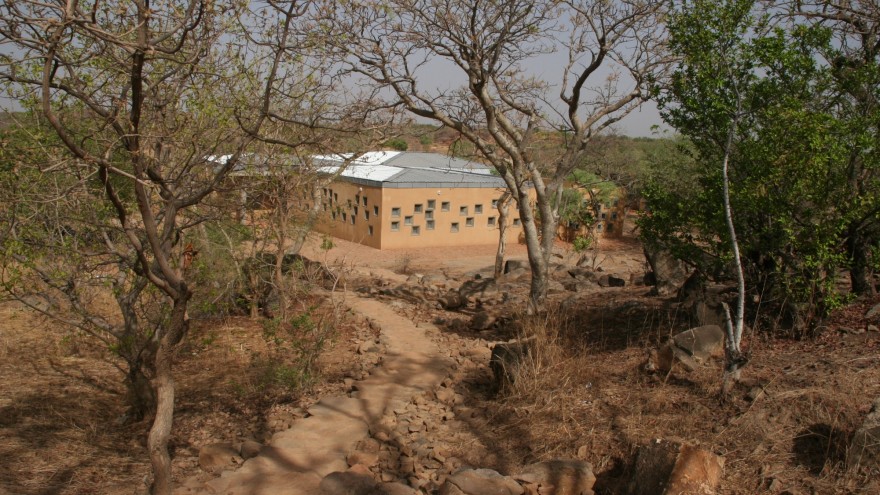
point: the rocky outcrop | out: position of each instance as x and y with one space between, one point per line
664 467
480 482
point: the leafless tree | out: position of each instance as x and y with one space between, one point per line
614 50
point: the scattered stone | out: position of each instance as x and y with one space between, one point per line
609 280
480 482
865 447
559 477
217 456
872 328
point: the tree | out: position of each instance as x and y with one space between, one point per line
501 106
852 61
144 98
755 94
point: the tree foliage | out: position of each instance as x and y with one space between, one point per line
790 161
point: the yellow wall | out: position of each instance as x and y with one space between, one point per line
400 222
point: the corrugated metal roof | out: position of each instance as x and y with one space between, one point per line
411 169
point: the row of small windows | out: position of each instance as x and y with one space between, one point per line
430 224
444 206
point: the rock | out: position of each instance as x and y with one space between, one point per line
452 300
480 482
505 360
368 346
514 265
250 449
609 280
559 477
394 489
669 272
864 450
445 395
434 280
707 313
217 456
872 328
688 349
583 273
482 321
670 468
693 289
368 459
347 483
873 313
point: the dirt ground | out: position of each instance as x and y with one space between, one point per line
785 431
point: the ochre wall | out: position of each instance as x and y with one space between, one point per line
412 226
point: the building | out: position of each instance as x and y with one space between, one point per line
394 200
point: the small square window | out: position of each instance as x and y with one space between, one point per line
336 197
491 222
376 211
599 227
407 220
444 206
429 214
603 216
463 211
614 216
516 222
429 224
417 208
478 209
454 227
344 217
609 227
370 230
494 204
469 222
333 215
355 210
357 199
366 214
352 219
432 203
365 201
416 230
395 212
349 203
395 226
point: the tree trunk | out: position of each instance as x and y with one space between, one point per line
535 250
140 394
163 382
858 259
503 204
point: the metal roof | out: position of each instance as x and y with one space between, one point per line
412 170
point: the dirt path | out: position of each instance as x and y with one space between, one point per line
296 460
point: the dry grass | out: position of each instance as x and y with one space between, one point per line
581 392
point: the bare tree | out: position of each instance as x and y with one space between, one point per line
614 49
144 98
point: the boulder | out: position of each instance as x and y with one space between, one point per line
218 456
480 482
669 272
664 467
558 477
514 265
864 450
583 273
688 349
707 313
